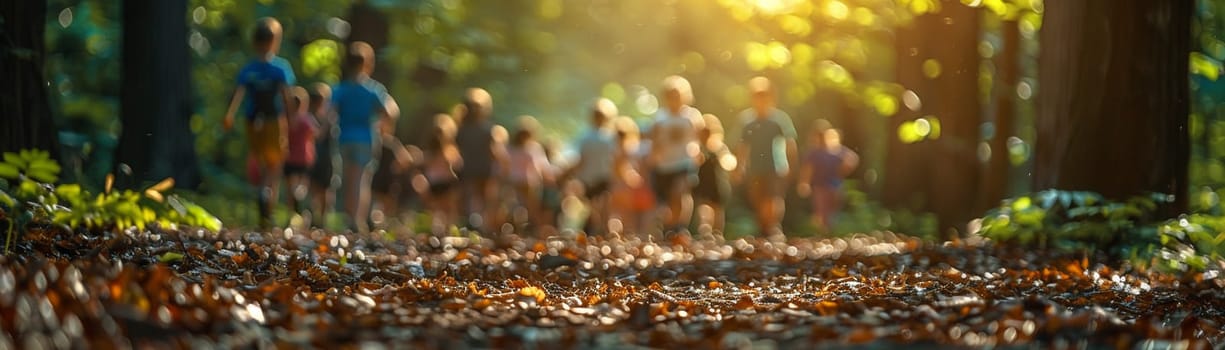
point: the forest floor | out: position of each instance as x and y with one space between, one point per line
314 289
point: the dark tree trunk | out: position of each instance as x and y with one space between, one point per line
370 25
954 165
156 110
1007 74
1114 98
26 122
905 180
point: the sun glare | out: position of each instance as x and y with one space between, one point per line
774 7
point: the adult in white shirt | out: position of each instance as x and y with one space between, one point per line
674 152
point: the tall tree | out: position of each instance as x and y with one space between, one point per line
156 107
904 184
954 167
1114 98
994 184
26 120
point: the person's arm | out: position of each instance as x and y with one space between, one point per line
792 158
387 107
283 120
792 148
403 158
850 161
498 149
803 188
742 155
240 93
573 168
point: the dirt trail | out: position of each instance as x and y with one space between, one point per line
313 289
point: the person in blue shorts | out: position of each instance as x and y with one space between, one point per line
360 104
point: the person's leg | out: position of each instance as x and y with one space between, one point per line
318 202
761 205
295 182
823 203
450 205
364 199
683 202
719 218
493 212
350 179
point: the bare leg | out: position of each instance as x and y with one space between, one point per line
352 176
271 183
681 205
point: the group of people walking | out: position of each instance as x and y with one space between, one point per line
471 172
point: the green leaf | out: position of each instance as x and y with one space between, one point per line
9 171
170 257
1021 204
1205 66
7 200
1048 198
14 159
43 176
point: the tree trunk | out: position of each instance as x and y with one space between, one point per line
1007 74
904 183
1114 98
26 122
954 166
156 110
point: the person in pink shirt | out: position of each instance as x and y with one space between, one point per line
527 172
302 130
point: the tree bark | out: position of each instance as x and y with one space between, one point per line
26 122
1114 98
954 166
1007 74
904 183
156 141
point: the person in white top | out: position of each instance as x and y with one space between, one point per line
674 152
594 165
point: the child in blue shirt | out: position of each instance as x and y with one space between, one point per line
360 104
266 80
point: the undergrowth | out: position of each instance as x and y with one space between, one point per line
28 195
1079 221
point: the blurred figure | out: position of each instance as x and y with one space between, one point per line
266 79
360 104
302 130
632 197
483 152
713 188
674 152
323 177
826 164
593 168
767 143
527 172
390 179
438 181
551 192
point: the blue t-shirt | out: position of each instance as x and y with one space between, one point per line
263 81
826 167
357 106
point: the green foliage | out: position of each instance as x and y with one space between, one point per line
1073 221
1190 243
33 164
1066 220
27 196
